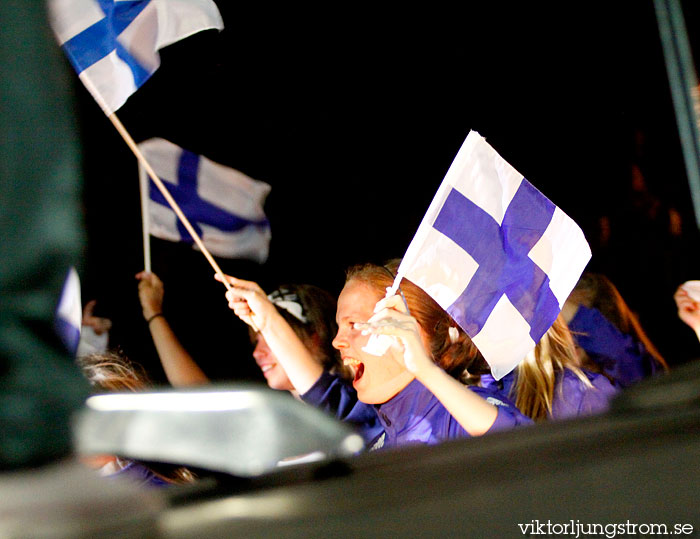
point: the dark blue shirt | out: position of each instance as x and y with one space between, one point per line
572 396
336 396
415 415
622 357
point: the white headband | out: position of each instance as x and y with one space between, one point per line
289 301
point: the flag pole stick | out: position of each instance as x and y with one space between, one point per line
159 184
145 218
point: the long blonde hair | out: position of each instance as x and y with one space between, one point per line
537 374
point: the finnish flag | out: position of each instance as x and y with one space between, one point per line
113 44
223 205
496 254
69 312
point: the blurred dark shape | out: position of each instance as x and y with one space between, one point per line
40 226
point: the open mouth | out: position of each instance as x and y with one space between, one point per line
358 368
359 371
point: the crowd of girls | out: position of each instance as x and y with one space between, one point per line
432 384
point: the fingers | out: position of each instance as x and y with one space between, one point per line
684 301
239 283
97 323
239 301
237 293
241 309
391 327
148 278
101 325
389 322
89 308
393 302
680 292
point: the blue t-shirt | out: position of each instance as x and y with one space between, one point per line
621 356
415 415
336 396
572 397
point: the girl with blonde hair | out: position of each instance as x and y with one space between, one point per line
550 382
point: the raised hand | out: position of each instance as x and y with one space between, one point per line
151 293
391 318
99 324
688 309
248 301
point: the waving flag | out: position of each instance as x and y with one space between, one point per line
224 205
69 312
113 44
496 254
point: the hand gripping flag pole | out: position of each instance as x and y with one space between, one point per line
168 197
166 194
116 122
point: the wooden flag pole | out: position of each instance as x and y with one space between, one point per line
145 218
159 184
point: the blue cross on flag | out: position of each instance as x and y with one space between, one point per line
223 205
113 44
496 254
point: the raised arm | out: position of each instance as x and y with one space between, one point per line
472 412
250 304
180 369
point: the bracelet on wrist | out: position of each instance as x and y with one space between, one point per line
152 317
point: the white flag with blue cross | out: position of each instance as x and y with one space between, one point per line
113 44
224 205
68 318
496 254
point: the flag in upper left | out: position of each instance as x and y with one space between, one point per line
113 44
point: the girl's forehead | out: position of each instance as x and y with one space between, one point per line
357 297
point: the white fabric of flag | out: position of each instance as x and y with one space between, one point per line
69 312
496 254
113 44
223 205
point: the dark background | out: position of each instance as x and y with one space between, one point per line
353 113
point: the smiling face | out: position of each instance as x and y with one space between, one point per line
272 371
377 379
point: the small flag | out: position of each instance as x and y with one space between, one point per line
496 254
113 44
69 312
224 206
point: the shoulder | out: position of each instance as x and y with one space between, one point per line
570 381
574 397
509 415
492 394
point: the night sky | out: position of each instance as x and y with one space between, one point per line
353 113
